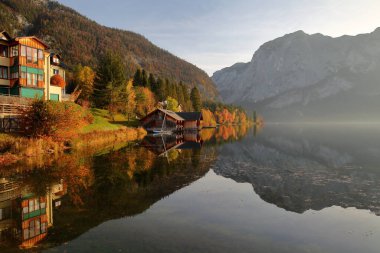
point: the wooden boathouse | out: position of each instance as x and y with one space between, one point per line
165 120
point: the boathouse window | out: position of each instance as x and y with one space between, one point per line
3 51
3 72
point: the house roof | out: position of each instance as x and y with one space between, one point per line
35 38
191 115
5 36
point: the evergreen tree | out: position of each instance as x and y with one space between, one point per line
110 80
196 99
137 78
144 77
152 83
161 89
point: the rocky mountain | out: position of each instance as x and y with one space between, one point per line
81 40
308 77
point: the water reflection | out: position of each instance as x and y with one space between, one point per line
299 168
57 201
136 197
25 215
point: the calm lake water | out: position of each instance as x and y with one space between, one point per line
284 188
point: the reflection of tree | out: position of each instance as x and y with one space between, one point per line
127 182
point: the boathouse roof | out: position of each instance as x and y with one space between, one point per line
191 116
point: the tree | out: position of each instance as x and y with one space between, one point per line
152 82
137 78
144 80
161 89
196 99
130 98
57 80
84 78
172 104
145 101
109 82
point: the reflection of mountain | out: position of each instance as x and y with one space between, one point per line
307 169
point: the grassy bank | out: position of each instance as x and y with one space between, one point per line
103 131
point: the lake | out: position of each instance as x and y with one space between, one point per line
284 188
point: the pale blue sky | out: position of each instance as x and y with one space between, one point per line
213 34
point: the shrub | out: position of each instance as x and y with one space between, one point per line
58 80
54 119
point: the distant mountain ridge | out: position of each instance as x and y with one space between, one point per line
308 77
81 40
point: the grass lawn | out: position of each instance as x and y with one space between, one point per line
103 122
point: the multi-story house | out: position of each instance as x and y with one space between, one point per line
26 68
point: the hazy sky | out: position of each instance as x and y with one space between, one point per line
214 34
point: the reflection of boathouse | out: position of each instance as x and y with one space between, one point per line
162 144
165 120
25 217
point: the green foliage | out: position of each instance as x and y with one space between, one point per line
110 81
172 104
195 97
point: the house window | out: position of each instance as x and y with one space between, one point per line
55 71
56 60
14 51
35 56
29 55
14 75
5 213
3 51
3 72
40 78
23 51
40 54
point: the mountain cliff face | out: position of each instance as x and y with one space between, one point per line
81 41
301 76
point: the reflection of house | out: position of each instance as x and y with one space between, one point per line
25 217
25 68
161 145
161 119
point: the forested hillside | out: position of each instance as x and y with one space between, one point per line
81 40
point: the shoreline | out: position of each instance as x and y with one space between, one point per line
15 148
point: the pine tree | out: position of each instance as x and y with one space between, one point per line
161 89
152 83
110 80
144 77
137 79
196 99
